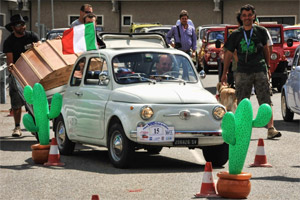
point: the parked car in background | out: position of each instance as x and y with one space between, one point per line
212 56
291 32
290 94
164 29
122 102
54 33
201 33
137 27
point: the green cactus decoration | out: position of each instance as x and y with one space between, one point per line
37 97
237 129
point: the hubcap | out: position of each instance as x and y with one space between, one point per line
117 146
61 137
283 106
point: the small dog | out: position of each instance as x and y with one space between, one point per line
227 97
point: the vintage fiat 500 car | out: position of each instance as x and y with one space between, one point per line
118 98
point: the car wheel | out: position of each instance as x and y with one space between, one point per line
65 145
120 148
154 150
287 114
217 155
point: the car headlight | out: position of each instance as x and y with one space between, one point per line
146 112
219 112
213 54
287 53
274 56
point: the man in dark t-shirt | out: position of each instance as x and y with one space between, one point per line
18 42
250 42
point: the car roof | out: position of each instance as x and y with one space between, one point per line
58 29
111 52
134 40
292 27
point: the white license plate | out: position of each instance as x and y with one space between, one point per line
290 61
155 132
212 63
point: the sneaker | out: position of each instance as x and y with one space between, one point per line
17 132
273 133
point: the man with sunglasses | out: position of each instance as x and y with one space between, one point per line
84 9
18 42
250 42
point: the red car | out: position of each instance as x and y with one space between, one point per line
278 60
211 54
291 32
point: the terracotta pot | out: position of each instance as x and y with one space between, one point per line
40 153
235 186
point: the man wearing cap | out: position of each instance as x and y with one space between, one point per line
84 9
18 42
184 35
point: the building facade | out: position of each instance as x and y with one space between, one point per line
117 15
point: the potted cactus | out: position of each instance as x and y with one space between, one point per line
236 131
37 97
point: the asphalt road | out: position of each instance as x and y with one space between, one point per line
175 173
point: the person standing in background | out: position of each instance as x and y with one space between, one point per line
84 9
18 42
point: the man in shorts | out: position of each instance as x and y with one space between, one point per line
17 42
250 42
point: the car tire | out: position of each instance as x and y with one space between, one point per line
154 150
65 145
120 148
287 114
217 155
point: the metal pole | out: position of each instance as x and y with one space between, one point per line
52 13
39 18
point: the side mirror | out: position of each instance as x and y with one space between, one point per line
218 44
290 42
103 78
202 74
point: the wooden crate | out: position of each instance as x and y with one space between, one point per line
44 64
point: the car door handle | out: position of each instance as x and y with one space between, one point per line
78 94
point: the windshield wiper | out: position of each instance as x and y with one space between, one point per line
138 76
167 78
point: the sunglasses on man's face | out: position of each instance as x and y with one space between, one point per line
19 25
87 12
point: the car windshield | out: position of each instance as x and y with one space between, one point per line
292 34
216 35
152 67
275 34
53 35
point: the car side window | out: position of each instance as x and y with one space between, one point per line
78 72
95 67
296 61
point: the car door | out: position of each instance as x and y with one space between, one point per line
92 99
71 96
294 83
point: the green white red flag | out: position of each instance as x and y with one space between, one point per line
80 38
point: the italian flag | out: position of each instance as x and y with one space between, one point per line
80 38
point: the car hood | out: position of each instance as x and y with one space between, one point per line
295 45
212 47
163 93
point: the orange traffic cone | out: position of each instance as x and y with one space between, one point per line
208 188
54 157
260 158
95 197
